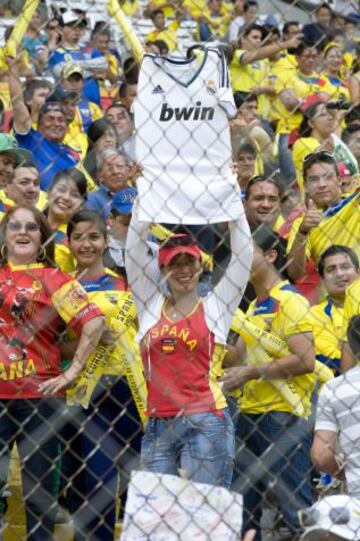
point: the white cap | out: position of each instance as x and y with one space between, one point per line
339 515
69 16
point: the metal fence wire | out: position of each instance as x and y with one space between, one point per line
179 272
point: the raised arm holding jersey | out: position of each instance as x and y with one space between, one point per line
183 339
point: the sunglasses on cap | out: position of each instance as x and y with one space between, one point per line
312 517
179 240
319 154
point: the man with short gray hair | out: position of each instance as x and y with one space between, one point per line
114 172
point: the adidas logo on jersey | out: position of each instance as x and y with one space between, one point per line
158 90
186 113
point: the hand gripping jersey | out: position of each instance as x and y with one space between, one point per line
183 140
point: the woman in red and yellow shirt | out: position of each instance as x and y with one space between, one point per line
36 301
183 343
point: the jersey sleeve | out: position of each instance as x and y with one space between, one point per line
71 302
325 416
295 315
225 93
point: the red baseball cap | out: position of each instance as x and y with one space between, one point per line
175 245
313 99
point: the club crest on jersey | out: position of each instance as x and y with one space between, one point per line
211 87
186 113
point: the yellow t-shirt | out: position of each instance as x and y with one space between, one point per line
244 78
130 8
196 7
301 148
4 85
351 306
169 35
340 224
63 256
302 86
284 312
337 88
282 70
328 322
169 11
75 136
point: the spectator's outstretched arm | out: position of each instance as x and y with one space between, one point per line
231 287
269 50
22 118
139 268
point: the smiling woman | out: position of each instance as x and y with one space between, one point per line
183 341
35 301
67 194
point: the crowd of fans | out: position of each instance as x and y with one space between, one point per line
72 298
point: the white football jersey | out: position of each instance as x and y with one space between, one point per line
183 140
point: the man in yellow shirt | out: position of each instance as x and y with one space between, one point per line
250 69
275 442
338 268
291 88
163 32
328 219
82 113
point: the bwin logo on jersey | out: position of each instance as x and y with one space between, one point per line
186 113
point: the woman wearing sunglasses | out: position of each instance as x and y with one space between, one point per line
183 343
36 300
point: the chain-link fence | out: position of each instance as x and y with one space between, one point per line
179 273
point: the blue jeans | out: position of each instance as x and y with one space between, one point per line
202 444
273 448
100 442
287 168
33 424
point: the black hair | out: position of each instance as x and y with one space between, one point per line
256 180
76 176
336 249
349 132
323 5
353 335
161 45
156 12
243 97
86 215
318 157
287 26
96 130
306 45
249 4
250 28
305 129
101 28
266 239
353 115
